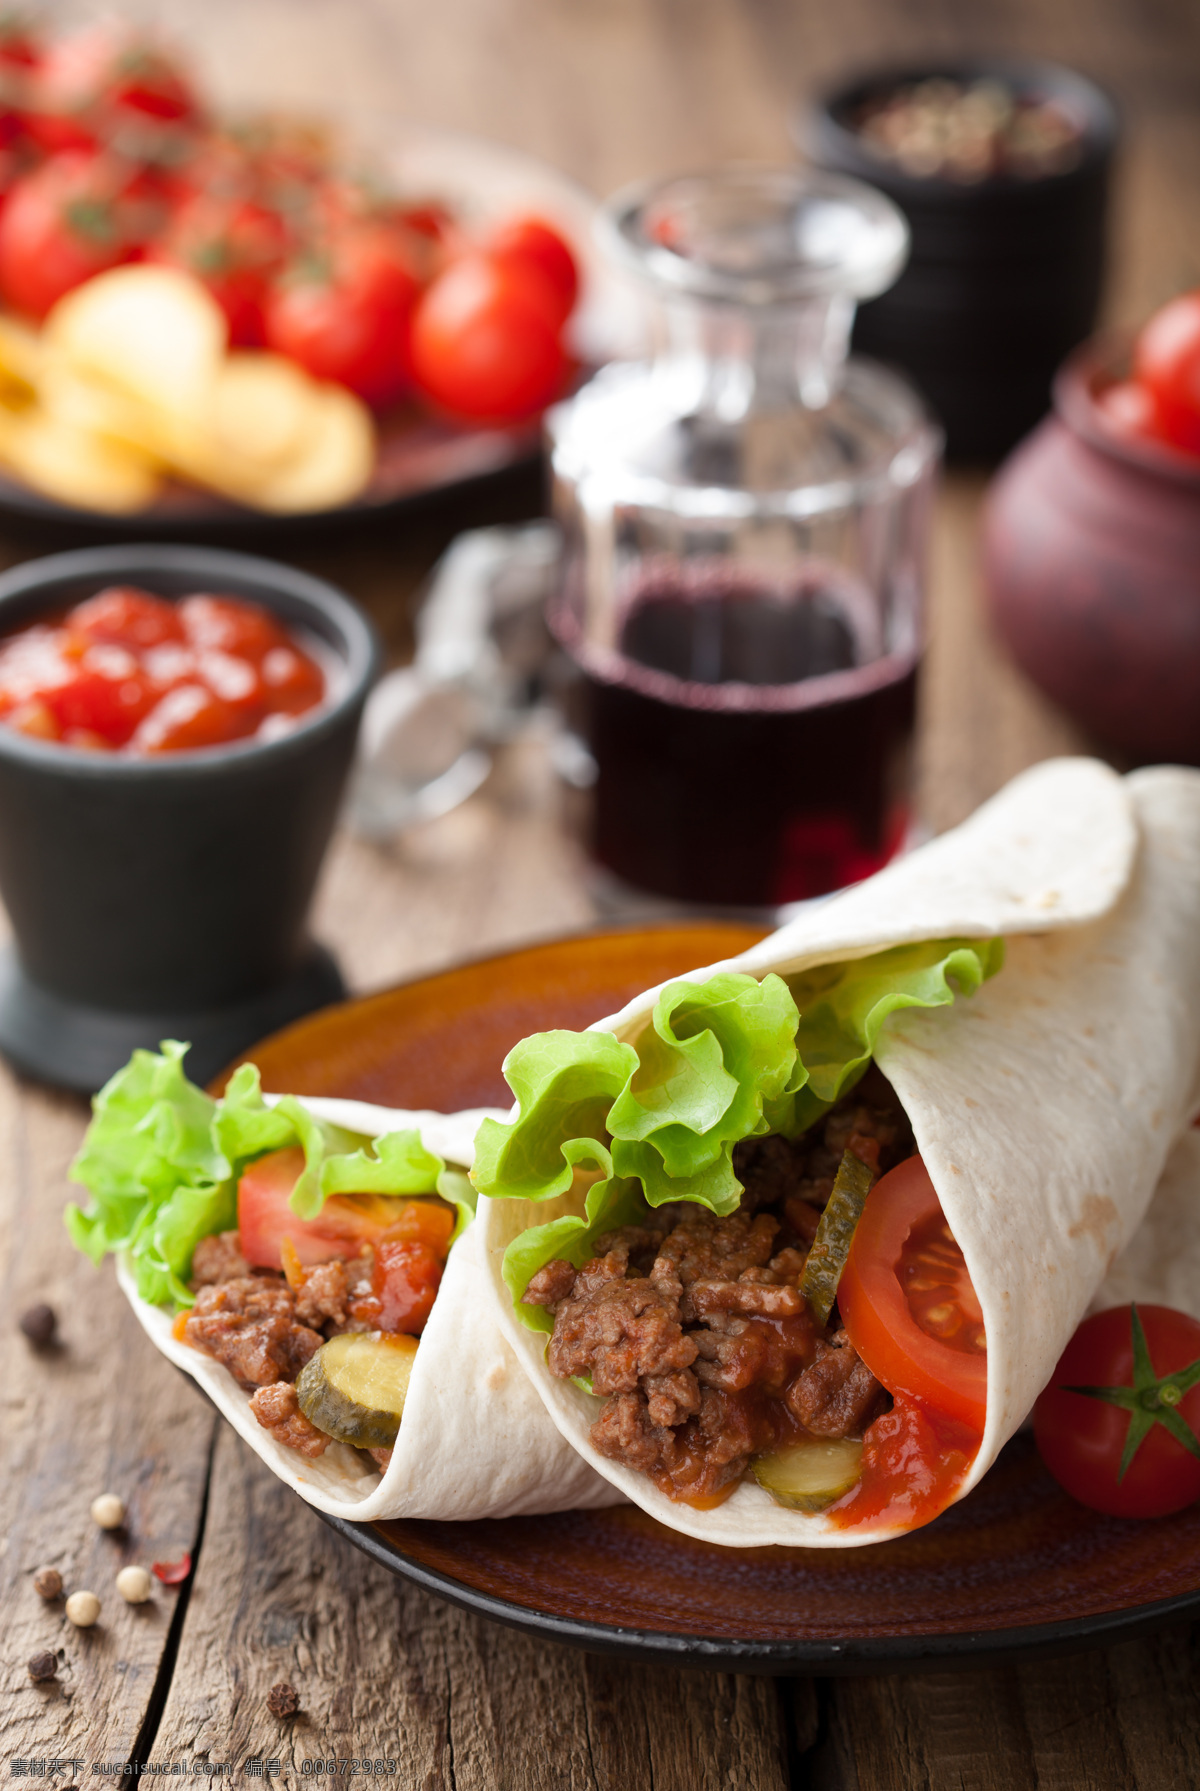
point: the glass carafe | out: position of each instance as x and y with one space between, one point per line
745 515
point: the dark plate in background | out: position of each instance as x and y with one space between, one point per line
1016 1568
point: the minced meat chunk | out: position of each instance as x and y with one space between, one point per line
705 1248
836 1395
626 1432
249 1325
551 1285
219 1258
277 1410
617 1329
321 1296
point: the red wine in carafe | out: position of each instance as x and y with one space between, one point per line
752 741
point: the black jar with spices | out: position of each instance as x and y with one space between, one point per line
1002 169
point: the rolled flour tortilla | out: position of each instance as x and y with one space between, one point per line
1045 1106
474 1441
1160 1265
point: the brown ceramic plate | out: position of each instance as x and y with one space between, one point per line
1017 1566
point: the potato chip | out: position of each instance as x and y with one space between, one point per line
152 332
337 461
263 407
75 466
21 357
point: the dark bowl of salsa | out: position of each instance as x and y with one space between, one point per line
176 728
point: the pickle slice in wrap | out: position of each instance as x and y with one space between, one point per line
831 1246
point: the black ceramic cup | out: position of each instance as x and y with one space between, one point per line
168 896
1004 276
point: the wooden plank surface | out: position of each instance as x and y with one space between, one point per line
608 89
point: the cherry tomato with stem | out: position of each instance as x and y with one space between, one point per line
1119 1423
235 247
61 225
345 313
96 84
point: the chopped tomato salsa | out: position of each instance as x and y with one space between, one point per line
914 1460
129 672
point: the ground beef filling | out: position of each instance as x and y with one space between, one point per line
694 1326
264 1330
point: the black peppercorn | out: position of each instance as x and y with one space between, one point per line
43 1667
39 1325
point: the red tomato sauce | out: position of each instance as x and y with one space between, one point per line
914 1460
129 672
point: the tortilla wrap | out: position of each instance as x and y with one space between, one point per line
1161 1263
1045 1106
474 1441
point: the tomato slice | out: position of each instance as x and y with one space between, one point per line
345 1223
907 1301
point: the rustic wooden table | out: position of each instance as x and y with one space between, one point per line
608 89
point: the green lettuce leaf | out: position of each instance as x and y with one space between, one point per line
712 1055
610 1202
161 1161
720 1061
565 1083
843 1008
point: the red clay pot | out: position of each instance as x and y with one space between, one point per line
1092 568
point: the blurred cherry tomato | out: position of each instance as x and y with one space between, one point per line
20 46
95 84
1166 359
128 616
62 224
236 247
529 242
485 340
346 315
1085 1437
435 222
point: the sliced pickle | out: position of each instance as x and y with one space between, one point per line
810 1474
354 1387
831 1246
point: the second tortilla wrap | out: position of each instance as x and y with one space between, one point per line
474 1439
1045 1107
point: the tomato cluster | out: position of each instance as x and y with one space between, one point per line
108 155
127 670
1160 402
